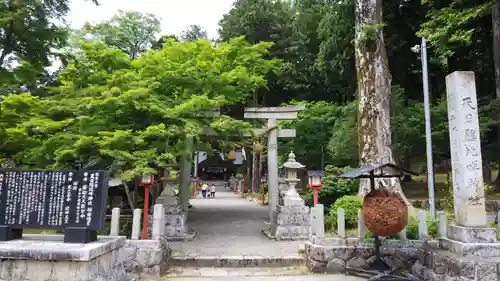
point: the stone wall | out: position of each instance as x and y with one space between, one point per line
334 254
442 265
425 260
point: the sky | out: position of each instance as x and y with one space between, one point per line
175 15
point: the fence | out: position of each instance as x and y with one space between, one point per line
317 218
157 228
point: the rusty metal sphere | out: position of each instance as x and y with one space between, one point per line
384 212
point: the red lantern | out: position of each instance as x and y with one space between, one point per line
315 182
146 181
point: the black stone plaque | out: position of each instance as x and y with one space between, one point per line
73 200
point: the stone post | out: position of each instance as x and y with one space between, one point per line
292 215
158 222
136 225
272 169
469 236
115 222
318 221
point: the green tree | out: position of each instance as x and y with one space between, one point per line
194 32
29 40
158 44
131 115
131 32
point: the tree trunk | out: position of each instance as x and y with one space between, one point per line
374 92
496 59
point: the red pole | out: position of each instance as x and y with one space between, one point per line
146 213
235 189
242 188
263 195
315 193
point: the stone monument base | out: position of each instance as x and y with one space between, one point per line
45 257
176 224
292 223
41 257
470 241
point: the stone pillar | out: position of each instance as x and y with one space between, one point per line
469 236
272 169
465 148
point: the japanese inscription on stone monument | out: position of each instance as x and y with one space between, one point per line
53 199
465 148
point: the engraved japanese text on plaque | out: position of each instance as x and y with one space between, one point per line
52 199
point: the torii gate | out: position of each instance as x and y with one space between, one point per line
272 114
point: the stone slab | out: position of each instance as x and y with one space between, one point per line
292 209
237 261
175 272
51 247
472 234
471 249
333 242
291 232
188 236
299 219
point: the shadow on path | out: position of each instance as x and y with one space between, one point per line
229 225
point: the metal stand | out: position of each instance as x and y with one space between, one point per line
379 270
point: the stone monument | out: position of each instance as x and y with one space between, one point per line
470 235
292 215
73 201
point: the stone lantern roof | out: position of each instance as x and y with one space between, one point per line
291 163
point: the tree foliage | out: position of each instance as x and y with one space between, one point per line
131 115
130 32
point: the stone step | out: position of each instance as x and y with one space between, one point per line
234 271
297 273
237 261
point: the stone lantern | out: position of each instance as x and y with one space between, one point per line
292 197
292 216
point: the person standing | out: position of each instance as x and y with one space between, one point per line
204 190
212 191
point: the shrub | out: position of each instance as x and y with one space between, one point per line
351 205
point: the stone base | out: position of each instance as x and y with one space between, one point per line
292 232
293 222
46 257
439 265
471 249
472 234
469 241
175 222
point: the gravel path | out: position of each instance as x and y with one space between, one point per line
229 225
